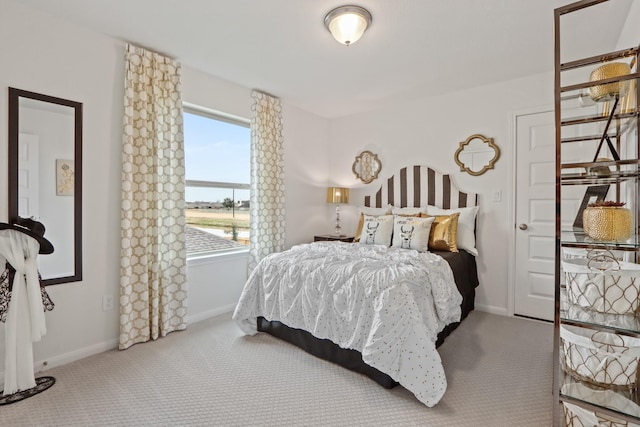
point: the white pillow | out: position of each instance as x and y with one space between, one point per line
407 211
412 232
377 230
466 236
375 211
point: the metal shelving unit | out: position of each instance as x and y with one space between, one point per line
582 126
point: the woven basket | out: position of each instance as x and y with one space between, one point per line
601 358
609 90
603 287
607 222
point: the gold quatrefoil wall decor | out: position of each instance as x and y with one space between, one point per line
477 154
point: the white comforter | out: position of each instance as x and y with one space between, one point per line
387 303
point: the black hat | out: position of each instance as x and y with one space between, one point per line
31 228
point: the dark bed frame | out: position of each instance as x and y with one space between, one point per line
412 186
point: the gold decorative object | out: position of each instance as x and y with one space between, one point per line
608 91
600 171
477 154
367 166
607 222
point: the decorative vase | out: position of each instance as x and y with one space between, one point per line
607 222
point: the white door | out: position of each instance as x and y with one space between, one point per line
535 215
535 209
28 176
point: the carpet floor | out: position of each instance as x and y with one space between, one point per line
499 371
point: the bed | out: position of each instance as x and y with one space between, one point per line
414 186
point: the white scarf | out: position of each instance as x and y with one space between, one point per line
25 316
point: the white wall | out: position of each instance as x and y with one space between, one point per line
306 175
428 131
50 56
630 33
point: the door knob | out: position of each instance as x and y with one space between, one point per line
523 226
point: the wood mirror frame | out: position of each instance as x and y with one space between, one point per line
486 157
68 253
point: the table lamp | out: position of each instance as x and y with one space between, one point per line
338 195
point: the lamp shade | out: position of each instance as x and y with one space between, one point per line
337 195
347 23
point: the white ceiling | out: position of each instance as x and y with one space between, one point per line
413 48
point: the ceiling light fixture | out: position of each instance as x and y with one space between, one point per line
347 23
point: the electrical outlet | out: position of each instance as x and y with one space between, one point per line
107 302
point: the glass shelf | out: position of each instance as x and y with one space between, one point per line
586 85
613 135
577 238
583 178
609 164
618 119
576 315
597 59
624 403
586 179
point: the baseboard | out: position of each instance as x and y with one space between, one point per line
491 309
210 313
72 356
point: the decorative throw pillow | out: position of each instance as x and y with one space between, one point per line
466 226
365 210
443 233
377 230
412 232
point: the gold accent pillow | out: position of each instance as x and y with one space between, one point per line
443 234
359 229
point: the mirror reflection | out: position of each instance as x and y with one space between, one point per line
477 154
45 176
367 166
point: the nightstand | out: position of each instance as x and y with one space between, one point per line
325 237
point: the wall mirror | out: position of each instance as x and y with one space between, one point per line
45 177
477 154
367 166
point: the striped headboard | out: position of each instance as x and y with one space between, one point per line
417 186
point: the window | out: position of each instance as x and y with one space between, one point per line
217 166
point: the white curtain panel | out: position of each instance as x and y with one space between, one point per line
266 228
153 286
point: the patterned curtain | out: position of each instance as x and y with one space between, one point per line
153 294
266 233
